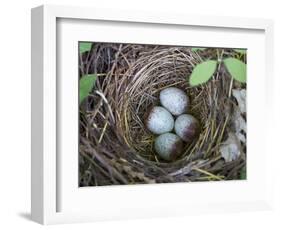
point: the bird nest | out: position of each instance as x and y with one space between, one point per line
116 147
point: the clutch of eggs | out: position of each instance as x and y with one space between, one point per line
160 121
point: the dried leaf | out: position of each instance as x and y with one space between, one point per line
240 96
239 122
230 149
241 137
237 118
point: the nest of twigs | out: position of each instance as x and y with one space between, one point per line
115 146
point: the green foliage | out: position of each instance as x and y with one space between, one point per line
243 174
236 68
205 70
242 51
202 72
197 48
84 46
86 84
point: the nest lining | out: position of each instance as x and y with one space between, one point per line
115 146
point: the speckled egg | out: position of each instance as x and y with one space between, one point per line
187 127
159 120
169 146
174 100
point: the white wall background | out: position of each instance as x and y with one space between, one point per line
15 112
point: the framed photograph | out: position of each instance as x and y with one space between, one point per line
143 114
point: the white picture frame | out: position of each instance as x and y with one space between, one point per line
55 196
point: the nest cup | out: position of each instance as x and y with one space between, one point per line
149 75
114 132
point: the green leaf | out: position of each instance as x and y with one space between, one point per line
86 84
202 72
236 68
84 46
243 174
197 48
242 51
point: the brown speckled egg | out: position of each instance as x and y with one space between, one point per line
174 100
159 120
169 146
187 127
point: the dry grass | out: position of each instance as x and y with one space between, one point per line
116 148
